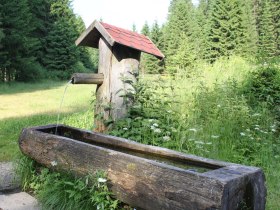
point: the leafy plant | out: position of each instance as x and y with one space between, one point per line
64 191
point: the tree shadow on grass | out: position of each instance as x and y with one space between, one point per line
21 87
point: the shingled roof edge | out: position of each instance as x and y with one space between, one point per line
96 24
103 31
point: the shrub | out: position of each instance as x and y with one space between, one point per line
263 86
30 72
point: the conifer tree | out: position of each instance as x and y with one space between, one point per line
42 22
153 65
146 29
61 53
1 29
276 18
134 27
228 28
249 21
202 14
144 57
267 35
180 24
16 52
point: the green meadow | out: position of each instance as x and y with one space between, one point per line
29 104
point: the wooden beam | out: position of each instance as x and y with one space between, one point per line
86 78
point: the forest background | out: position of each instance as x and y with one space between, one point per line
215 95
37 37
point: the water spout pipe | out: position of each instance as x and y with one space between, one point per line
87 78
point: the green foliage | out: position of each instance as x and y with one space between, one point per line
267 35
17 42
180 24
151 64
210 114
276 18
44 33
31 71
64 191
227 30
264 86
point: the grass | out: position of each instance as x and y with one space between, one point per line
25 105
209 113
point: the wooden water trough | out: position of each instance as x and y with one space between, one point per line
147 177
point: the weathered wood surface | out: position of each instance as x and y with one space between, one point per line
87 78
114 63
141 181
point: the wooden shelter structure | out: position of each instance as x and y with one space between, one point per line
119 57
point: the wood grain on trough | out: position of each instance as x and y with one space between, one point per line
148 177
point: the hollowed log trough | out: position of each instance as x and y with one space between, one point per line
147 177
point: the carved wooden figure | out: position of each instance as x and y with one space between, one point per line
119 57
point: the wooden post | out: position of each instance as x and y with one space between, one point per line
119 57
114 62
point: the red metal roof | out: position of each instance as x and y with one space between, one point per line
118 35
132 39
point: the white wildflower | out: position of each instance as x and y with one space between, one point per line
151 120
169 111
273 130
101 180
215 137
155 125
256 114
219 106
257 128
242 134
125 129
166 138
157 130
272 126
248 130
173 130
152 127
199 142
54 163
193 129
209 143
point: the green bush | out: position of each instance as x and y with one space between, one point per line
30 72
263 86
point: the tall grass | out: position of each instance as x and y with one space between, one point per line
210 113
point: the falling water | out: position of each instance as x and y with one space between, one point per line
61 102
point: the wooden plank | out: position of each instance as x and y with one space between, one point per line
94 32
103 95
87 78
142 181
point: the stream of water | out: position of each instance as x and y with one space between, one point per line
61 102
